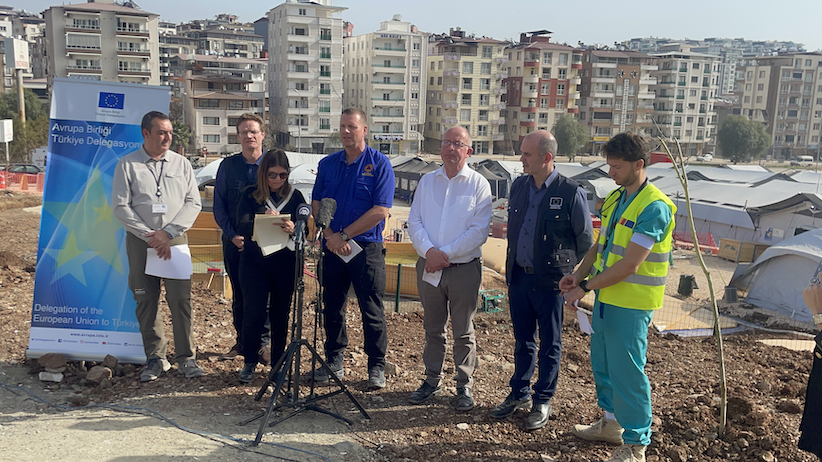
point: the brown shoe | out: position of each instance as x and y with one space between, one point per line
265 355
235 351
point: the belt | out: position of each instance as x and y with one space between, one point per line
527 269
452 265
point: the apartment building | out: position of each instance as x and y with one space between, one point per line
542 85
785 93
465 85
305 45
686 87
170 46
730 52
227 42
617 93
385 75
102 40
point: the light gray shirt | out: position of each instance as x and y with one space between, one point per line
135 199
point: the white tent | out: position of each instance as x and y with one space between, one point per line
775 281
209 172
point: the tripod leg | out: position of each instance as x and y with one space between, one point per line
338 381
280 379
271 375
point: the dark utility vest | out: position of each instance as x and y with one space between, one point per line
236 180
555 244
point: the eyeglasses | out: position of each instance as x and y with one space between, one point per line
456 144
275 175
250 132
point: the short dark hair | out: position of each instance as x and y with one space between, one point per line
628 146
252 117
148 119
272 158
356 111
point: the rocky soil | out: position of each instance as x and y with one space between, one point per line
766 387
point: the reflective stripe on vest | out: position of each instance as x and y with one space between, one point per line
644 290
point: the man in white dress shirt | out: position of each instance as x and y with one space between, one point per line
448 224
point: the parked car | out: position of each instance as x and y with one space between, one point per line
23 168
707 157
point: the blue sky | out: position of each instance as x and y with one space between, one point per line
604 21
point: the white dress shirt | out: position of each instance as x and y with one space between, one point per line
451 215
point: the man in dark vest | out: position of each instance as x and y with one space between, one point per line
235 173
549 230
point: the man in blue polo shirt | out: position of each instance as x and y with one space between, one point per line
361 180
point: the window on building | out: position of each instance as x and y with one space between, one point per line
485 84
465 115
211 138
563 59
233 139
485 100
210 103
467 84
562 74
560 103
415 95
546 88
415 79
415 63
485 68
560 89
211 121
487 52
483 116
235 105
302 12
467 67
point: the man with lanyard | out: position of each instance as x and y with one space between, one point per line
234 175
448 223
361 180
551 231
628 264
155 197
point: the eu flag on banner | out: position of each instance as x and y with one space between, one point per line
111 100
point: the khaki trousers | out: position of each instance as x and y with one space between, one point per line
146 290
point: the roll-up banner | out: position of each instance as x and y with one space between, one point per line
83 307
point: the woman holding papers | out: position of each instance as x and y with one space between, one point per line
266 262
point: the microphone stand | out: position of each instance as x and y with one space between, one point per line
286 372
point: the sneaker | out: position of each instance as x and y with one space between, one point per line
189 368
154 368
464 401
603 429
235 351
424 393
321 374
376 378
247 373
510 405
265 355
629 453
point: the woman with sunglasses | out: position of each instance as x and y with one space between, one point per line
271 277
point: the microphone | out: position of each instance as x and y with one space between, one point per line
328 207
301 221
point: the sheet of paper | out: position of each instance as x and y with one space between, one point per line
584 323
432 278
355 249
268 234
177 267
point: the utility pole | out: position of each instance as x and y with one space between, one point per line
21 101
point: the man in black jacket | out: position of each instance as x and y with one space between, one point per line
233 176
549 230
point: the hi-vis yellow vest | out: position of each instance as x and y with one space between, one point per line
644 290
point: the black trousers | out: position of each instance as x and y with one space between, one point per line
366 272
811 426
268 283
231 258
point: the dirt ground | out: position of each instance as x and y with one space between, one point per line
766 386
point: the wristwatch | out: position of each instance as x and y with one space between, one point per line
584 286
343 236
817 318
169 235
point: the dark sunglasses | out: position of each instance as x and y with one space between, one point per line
275 175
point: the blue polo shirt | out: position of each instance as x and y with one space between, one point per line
358 187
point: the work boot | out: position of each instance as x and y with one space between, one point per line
629 453
321 374
247 373
464 400
189 368
154 368
376 378
236 350
510 405
538 417
603 429
424 393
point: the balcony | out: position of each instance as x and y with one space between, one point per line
299 38
135 71
402 50
604 65
325 73
664 96
83 48
683 69
706 84
681 84
390 100
325 126
677 124
502 60
89 69
603 79
325 109
501 91
325 91
498 137
449 120
451 57
451 105
501 75
500 121
499 106
451 73
325 55
135 31
649 67
680 96
450 90
531 63
326 37
127 51
392 66
574 95
575 80
603 94
647 81
528 123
